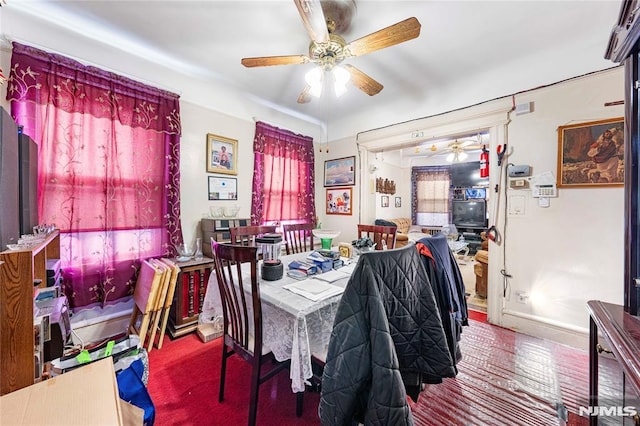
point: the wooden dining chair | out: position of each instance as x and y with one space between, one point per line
298 237
378 233
246 235
242 317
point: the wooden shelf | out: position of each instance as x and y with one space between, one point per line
18 271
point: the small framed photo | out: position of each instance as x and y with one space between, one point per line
223 188
339 201
222 155
398 202
591 154
384 201
340 172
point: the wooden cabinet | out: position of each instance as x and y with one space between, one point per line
219 230
614 361
18 271
191 287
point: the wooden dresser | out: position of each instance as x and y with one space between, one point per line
614 362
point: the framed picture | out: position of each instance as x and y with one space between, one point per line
339 201
223 188
222 155
340 172
591 154
398 202
384 201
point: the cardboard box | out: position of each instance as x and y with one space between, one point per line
85 396
209 331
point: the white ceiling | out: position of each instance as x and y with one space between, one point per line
467 52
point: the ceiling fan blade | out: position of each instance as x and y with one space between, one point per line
363 82
313 19
304 96
472 147
390 36
265 61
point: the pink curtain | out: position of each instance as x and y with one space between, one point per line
108 172
283 177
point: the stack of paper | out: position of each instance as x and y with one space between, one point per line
331 276
314 289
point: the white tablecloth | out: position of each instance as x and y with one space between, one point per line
293 326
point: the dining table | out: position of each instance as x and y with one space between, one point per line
297 315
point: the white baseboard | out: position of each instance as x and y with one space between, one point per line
538 327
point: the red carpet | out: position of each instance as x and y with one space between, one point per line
505 378
184 377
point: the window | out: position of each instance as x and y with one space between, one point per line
430 197
283 177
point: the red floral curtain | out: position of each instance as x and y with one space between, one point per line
283 177
108 172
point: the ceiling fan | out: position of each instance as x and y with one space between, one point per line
328 49
456 149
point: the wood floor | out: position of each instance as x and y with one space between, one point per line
505 378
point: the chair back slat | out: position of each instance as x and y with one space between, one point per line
298 237
379 233
246 235
240 327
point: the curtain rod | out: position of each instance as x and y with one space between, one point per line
157 85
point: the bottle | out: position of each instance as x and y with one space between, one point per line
198 255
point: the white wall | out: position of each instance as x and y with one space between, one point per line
572 251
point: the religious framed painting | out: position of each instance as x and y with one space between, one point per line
591 154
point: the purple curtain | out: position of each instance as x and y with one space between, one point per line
283 177
108 169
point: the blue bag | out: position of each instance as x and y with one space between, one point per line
132 389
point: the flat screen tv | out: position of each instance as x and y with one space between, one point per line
467 175
470 214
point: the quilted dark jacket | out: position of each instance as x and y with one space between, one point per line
387 328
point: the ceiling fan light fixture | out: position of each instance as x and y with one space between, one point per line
462 156
314 78
340 79
452 157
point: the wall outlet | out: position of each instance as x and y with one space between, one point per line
522 297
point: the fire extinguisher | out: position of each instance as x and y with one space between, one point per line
484 162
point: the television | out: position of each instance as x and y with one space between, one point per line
470 213
467 175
